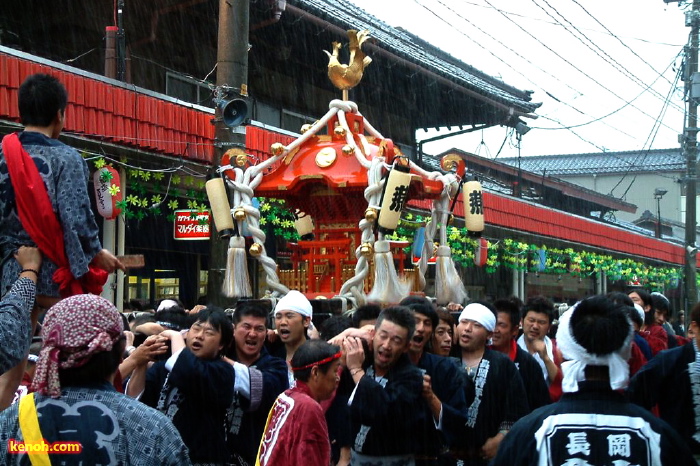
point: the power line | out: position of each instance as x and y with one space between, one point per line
595 48
626 104
612 34
569 62
499 42
647 41
650 140
602 149
518 55
570 129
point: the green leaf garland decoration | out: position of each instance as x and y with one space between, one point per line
275 212
520 255
144 188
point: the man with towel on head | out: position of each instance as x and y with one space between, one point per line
593 423
292 320
494 391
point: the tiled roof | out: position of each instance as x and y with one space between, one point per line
410 47
477 163
656 160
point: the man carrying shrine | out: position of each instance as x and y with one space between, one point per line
296 432
494 391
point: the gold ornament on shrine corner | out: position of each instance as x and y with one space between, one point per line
325 157
237 156
305 127
255 249
450 162
366 250
348 149
371 215
345 77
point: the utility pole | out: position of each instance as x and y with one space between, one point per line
121 42
690 147
231 76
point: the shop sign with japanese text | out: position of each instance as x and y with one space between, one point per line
191 225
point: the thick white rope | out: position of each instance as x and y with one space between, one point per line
351 141
373 193
253 219
439 207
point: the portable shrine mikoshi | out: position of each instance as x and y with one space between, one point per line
348 185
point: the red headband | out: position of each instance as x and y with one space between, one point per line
319 363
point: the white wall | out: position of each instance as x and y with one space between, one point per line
640 193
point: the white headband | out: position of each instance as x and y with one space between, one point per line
296 302
577 358
479 313
166 304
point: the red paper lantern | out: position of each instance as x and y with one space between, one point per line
482 252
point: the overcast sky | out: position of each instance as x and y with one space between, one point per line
606 69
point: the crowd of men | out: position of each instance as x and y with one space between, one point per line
500 382
504 382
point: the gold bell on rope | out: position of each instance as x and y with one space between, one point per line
255 249
305 127
239 214
277 148
371 214
366 250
